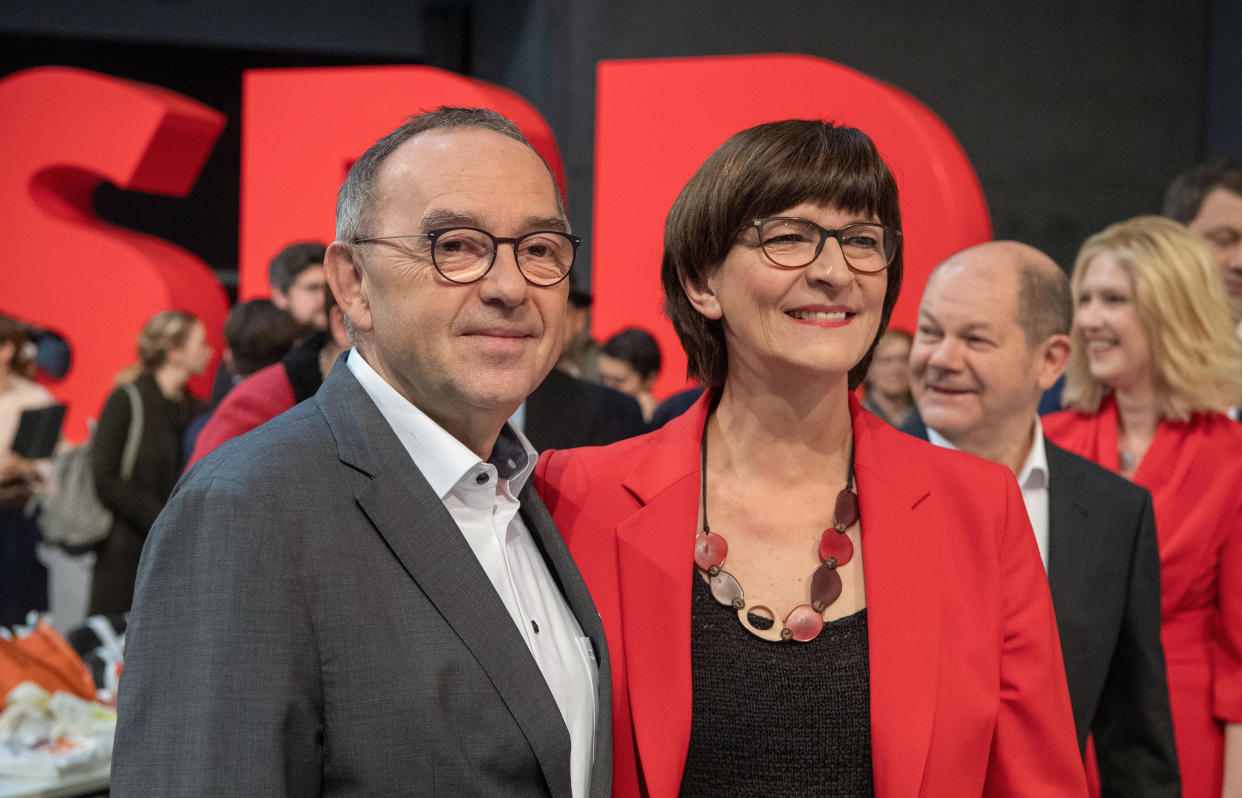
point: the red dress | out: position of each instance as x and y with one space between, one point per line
1194 472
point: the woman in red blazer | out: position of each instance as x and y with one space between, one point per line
1155 360
799 599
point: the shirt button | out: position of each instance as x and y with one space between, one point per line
481 478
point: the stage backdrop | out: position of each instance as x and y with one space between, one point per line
657 120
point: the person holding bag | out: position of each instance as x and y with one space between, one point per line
172 348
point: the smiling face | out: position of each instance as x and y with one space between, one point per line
1107 326
805 323
973 375
454 350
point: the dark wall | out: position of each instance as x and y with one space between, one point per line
1075 114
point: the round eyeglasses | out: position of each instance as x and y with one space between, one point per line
465 254
792 243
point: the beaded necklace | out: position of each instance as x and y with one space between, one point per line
805 621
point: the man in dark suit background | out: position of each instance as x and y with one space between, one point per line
364 596
992 336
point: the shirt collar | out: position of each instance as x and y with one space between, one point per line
443 460
1034 473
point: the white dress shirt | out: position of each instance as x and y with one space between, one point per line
1032 479
485 507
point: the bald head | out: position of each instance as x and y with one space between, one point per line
990 341
1043 306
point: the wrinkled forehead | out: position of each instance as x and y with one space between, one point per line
474 175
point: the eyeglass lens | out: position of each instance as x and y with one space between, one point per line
797 242
464 254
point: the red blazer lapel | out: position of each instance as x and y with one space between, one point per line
655 556
901 557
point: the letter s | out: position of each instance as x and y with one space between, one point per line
65 269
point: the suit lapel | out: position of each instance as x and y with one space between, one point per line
425 539
655 558
901 555
1068 555
562 567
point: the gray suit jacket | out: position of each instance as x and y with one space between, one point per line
309 620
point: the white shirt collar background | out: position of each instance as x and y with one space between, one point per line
1032 479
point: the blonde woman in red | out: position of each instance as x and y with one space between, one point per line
1154 365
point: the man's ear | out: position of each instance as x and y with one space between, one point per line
703 296
348 282
1051 359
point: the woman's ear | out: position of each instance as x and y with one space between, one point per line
703 296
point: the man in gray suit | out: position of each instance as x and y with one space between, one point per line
365 596
992 337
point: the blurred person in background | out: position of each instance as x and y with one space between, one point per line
630 362
273 389
172 348
256 335
23 579
296 277
1208 199
580 351
886 391
1154 362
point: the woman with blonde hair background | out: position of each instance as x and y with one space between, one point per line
172 348
1154 365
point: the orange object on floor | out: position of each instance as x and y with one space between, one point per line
45 658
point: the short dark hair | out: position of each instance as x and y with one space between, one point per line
353 201
291 261
1045 305
635 347
258 334
759 172
1186 193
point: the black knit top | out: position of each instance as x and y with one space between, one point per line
777 719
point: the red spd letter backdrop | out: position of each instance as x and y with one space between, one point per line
304 128
657 120
66 270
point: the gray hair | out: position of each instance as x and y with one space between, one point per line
353 201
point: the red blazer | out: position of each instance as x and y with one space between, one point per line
259 398
968 692
1194 472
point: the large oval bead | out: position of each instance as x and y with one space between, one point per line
709 549
834 544
726 589
804 623
845 514
825 586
